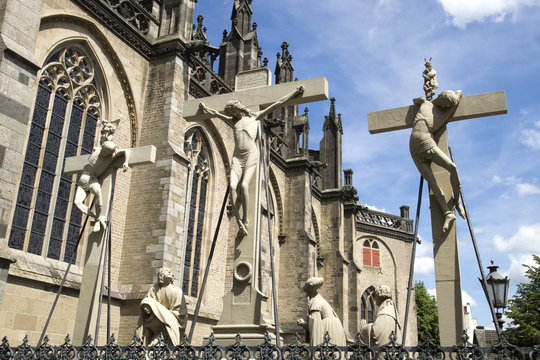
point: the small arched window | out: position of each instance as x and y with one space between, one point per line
64 120
371 253
369 306
196 208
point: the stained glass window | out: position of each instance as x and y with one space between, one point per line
368 307
197 188
64 121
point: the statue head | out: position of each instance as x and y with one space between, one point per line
383 292
313 284
448 98
108 128
165 276
428 64
236 109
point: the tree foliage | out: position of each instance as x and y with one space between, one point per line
426 313
524 309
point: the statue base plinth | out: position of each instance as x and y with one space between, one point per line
252 335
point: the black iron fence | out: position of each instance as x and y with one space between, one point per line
265 351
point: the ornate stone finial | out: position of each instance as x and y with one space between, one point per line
200 19
235 22
265 62
254 26
306 110
204 29
224 35
332 113
278 55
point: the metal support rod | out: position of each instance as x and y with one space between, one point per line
413 256
109 257
210 256
266 163
64 278
479 260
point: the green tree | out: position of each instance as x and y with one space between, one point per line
524 309
426 313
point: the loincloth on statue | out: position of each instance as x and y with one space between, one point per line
421 145
240 164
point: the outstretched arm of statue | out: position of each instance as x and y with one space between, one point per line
213 112
299 90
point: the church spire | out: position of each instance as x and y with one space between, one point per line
239 49
241 16
331 150
284 69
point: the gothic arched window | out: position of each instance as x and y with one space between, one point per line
64 121
371 253
369 305
196 206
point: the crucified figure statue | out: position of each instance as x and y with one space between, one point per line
246 150
98 162
431 115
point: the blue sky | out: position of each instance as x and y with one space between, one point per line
372 53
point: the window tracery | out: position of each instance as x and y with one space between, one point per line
196 208
64 121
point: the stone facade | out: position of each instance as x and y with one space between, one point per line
144 70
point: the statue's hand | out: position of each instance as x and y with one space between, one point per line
300 322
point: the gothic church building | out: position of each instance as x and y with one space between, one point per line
66 64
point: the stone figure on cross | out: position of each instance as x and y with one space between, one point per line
245 159
98 162
430 79
431 116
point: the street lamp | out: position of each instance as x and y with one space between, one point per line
497 289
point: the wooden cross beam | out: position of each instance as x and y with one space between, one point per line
445 247
315 89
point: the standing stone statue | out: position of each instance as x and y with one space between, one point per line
98 162
386 320
431 116
322 317
430 79
246 153
163 311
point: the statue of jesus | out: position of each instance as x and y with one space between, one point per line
431 115
247 131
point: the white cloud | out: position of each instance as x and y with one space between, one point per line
466 298
526 241
423 265
531 138
464 12
432 292
527 189
516 272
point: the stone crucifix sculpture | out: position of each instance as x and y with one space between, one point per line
428 120
246 305
98 172
246 153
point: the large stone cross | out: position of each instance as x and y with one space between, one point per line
89 301
246 306
445 247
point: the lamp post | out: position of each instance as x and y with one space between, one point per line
497 291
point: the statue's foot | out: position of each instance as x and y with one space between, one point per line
242 230
449 218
